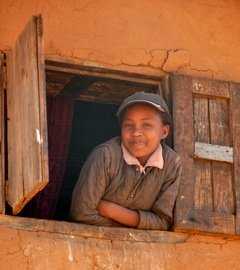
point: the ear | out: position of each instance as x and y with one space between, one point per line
166 130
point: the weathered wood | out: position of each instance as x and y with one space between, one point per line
90 231
208 221
201 120
167 95
219 122
235 113
203 186
223 187
220 130
212 207
107 90
73 66
210 88
213 152
2 135
184 145
56 82
27 126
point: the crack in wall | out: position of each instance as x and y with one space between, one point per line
176 60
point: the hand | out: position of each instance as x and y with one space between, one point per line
118 213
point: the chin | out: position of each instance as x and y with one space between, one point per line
139 154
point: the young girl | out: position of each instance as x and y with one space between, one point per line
131 180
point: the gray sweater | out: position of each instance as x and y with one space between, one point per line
106 176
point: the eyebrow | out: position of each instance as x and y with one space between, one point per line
129 119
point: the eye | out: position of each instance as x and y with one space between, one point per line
147 125
127 126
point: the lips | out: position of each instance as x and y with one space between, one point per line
137 144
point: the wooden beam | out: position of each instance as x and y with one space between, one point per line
213 152
183 145
210 88
67 229
66 65
2 134
235 112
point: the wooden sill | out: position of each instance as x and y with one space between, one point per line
89 231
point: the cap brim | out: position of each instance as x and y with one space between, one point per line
157 106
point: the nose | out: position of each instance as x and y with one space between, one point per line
137 132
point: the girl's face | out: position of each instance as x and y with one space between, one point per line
142 130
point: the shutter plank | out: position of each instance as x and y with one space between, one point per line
2 137
184 145
210 88
222 187
219 122
203 186
221 172
213 152
211 204
27 127
235 112
201 120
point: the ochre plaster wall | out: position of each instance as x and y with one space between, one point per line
200 37
45 245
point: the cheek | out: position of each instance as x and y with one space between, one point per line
156 136
125 135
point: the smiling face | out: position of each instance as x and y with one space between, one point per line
142 130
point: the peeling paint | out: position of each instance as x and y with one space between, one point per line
70 252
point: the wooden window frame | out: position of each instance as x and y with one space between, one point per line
205 212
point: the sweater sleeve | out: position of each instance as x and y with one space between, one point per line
160 217
90 188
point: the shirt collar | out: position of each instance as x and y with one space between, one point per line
155 160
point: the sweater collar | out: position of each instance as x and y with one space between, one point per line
155 160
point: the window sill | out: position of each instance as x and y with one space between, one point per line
90 231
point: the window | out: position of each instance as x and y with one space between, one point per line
37 159
206 133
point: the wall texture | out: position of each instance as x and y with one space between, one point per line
152 37
40 245
200 38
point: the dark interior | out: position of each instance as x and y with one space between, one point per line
81 114
93 123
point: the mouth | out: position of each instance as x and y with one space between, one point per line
138 144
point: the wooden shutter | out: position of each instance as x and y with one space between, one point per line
207 136
2 133
27 126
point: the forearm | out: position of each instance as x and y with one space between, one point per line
151 221
119 213
89 217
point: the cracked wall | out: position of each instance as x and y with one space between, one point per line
200 38
26 249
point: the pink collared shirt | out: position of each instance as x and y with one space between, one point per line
155 160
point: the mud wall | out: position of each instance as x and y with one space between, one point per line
37 244
152 37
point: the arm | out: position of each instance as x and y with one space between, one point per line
90 188
118 213
161 215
